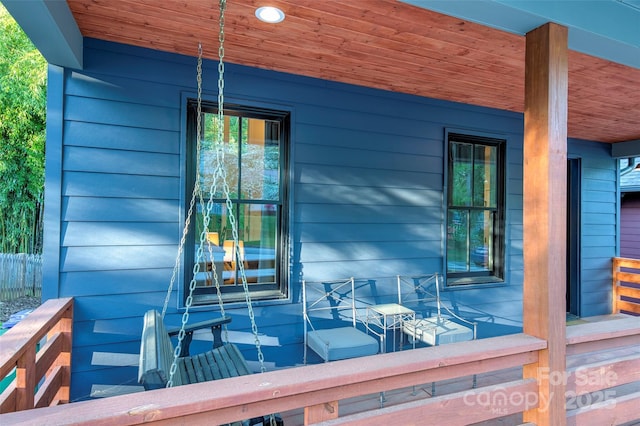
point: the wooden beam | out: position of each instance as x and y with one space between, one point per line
52 28
545 198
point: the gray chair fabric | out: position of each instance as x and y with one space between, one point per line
330 322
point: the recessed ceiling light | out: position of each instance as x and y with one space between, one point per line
269 14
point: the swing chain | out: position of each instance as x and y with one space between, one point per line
196 188
226 191
197 192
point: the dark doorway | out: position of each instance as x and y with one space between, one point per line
573 236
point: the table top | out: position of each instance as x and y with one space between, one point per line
390 309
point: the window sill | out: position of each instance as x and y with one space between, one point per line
466 282
234 299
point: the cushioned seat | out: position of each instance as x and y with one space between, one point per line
434 331
332 305
341 343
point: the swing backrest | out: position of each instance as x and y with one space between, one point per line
156 354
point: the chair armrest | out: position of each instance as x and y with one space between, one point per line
216 331
212 323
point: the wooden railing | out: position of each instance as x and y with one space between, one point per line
318 388
39 349
603 359
595 384
626 285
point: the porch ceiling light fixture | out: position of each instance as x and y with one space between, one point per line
270 14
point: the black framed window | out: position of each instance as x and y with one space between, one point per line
475 209
255 169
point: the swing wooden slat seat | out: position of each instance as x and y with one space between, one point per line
224 360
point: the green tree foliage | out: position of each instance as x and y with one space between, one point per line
23 79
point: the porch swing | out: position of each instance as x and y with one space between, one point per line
161 364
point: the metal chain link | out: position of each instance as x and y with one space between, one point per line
196 188
197 192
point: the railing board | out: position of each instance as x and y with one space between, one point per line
603 330
600 345
620 331
48 354
606 413
248 396
457 409
627 277
625 305
628 291
625 262
604 374
26 334
49 388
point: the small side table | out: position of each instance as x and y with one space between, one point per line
389 316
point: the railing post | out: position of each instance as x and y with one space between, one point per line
26 379
544 214
321 412
65 328
616 283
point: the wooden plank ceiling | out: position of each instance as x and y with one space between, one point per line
383 44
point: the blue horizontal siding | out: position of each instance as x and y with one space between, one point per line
420 145
122 114
92 234
364 232
102 258
113 209
92 283
378 160
82 184
120 138
323 174
367 195
367 200
113 161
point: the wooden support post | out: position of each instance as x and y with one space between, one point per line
616 282
26 379
64 327
321 412
545 180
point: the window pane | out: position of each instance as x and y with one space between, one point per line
259 225
256 245
260 167
457 232
460 174
484 176
481 240
208 159
218 228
